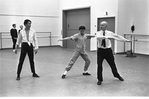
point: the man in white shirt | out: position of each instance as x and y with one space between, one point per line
104 51
27 37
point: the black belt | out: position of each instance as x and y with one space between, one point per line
104 48
27 43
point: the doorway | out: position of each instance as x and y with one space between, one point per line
111 27
72 20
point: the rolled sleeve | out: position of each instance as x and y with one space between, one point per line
74 37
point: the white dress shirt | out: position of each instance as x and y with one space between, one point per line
32 38
99 34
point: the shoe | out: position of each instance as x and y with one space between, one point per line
13 50
35 75
86 74
120 78
99 82
63 76
18 78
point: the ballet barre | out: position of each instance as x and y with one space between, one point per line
133 39
6 36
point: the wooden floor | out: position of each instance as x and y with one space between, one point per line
50 64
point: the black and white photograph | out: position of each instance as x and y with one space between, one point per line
74 48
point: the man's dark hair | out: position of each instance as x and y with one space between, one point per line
82 27
26 21
13 25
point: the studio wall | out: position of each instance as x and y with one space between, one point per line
44 15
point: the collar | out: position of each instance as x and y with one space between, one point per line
105 31
81 34
29 30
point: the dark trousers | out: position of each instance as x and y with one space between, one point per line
14 42
26 49
108 55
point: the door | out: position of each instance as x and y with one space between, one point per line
111 26
72 21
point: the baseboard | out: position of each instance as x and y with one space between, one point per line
50 46
39 47
137 54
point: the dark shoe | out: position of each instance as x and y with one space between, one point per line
18 78
86 74
120 78
99 82
63 76
35 75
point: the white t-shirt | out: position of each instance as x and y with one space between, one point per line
80 42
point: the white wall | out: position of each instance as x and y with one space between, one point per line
136 11
71 4
44 15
